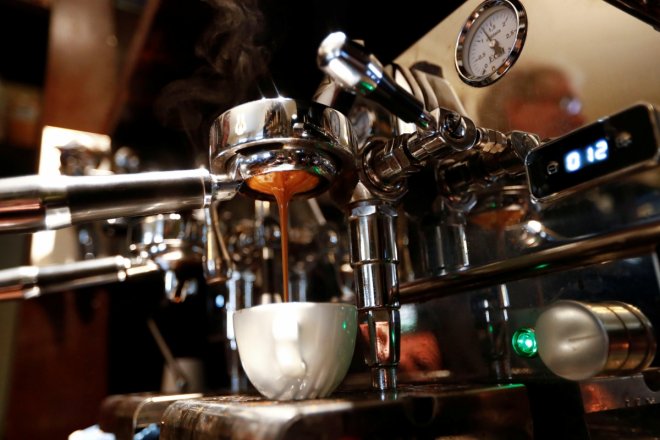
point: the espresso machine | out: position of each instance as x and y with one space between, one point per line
507 285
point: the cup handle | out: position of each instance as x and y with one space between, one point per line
287 347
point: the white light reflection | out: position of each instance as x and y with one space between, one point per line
409 317
51 247
344 74
57 218
240 126
145 267
534 226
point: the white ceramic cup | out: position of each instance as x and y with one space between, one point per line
296 350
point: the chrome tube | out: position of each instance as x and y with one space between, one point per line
218 265
281 134
374 260
360 72
566 255
34 203
27 282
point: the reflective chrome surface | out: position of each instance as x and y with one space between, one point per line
360 72
169 239
176 243
578 341
282 134
33 203
374 260
172 244
28 282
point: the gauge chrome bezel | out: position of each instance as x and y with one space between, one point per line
466 35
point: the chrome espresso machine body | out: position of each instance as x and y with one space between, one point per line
507 284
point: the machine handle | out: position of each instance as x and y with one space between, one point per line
358 71
27 282
33 203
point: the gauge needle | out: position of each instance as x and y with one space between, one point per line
495 45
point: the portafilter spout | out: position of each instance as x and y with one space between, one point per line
254 138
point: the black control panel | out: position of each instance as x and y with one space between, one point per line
604 149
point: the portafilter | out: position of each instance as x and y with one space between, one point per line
255 138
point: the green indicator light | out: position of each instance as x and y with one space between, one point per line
524 342
542 266
366 87
344 325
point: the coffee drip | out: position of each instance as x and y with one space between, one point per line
283 185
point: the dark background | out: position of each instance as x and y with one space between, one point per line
192 68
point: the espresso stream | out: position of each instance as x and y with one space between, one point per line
283 185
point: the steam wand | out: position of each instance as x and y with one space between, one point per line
27 282
357 71
175 245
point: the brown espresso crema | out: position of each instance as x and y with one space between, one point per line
283 185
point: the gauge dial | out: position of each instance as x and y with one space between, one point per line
490 41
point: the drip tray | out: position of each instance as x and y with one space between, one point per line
424 411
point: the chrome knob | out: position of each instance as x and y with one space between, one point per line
577 340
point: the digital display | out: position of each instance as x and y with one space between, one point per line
579 158
595 153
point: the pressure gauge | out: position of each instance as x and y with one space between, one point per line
491 41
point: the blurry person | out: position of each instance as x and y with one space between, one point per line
420 352
537 99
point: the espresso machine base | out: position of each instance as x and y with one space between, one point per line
420 411
542 410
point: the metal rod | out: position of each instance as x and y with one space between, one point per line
27 282
34 203
356 70
181 379
569 255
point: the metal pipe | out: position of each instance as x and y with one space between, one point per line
568 255
34 203
360 72
181 379
441 132
374 260
27 282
